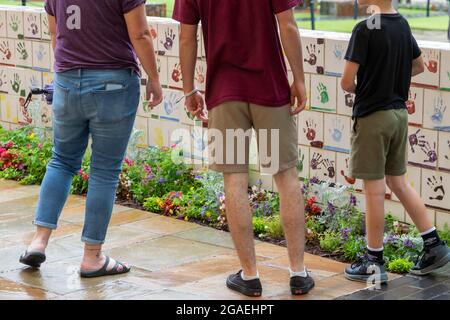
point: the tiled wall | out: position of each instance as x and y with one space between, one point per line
324 129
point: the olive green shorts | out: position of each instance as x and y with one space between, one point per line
379 143
230 132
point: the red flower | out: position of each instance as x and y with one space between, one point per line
129 162
9 145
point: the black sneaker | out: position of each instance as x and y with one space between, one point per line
366 270
301 285
250 288
431 259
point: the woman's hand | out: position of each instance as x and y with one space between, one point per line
154 93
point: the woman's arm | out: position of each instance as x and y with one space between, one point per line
52 29
141 39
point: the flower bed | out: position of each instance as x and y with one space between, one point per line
154 182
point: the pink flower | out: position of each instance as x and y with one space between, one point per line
129 162
9 145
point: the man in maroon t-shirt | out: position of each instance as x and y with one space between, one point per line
247 88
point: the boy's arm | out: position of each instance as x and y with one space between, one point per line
290 37
52 29
348 78
417 66
188 58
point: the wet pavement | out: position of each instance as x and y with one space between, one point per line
171 259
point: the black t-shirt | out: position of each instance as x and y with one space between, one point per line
385 55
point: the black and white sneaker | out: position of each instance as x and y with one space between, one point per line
431 259
301 285
367 270
250 288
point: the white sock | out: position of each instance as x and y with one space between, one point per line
246 278
427 232
375 249
302 274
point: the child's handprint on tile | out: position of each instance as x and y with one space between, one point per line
176 73
447 156
329 166
199 141
438 110
316 161
312 59
301 161
41 53
15 83
170 102
46 30
32 25
170 37
323 93
5 50
437 185
432 63
310 130
337 130
411 103
416 140
430 152
22 50
200 74
349 180
14 24
338 51
3 77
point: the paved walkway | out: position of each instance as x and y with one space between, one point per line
171 259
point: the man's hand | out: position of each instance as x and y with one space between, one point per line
298 92
196 106
154 93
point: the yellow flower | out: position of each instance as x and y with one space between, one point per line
186 218
32 135
171 211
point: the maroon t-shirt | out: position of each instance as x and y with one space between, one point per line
243 49
92 34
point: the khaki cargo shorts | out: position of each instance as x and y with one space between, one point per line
379 143
230 132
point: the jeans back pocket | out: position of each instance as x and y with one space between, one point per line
60 105
111 104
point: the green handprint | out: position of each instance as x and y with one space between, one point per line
22 50
46 29
15 83
323 93
301 161
14 24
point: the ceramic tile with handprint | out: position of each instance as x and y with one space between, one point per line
168 39
4 79
9 105
422 147
33 79
444 151
47 78
17 83
343 172
41 55
337 131
7 52
414 178
45 31
334 56
32 24
415 105
24 51
310 129
175 78
437 110
345 101
313 55
141 124
322 165
162 64
3 22
444 82
436 189
172 106
14 27
158 134
199 138
323 93
431 75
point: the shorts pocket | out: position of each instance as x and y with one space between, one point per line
111 105
60 105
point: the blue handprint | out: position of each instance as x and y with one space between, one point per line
339 51
170 102
438 110
41 53
337 130
199 142
33 82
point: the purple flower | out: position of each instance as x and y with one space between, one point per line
345 233
314 180
353 200
331 208
162 180
179 172
203 211
389 239
409 244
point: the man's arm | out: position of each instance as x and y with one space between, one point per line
418 66
142 41
52 29
348 82
188 58
290 38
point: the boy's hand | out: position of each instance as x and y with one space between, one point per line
154 93
298 92
196 106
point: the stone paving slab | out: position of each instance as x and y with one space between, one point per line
171 260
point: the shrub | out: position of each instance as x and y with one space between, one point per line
400 265
354 247
274 229
259 226
445 234
330 242
153 204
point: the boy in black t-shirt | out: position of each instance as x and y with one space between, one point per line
383 55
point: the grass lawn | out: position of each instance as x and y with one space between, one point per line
437 23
